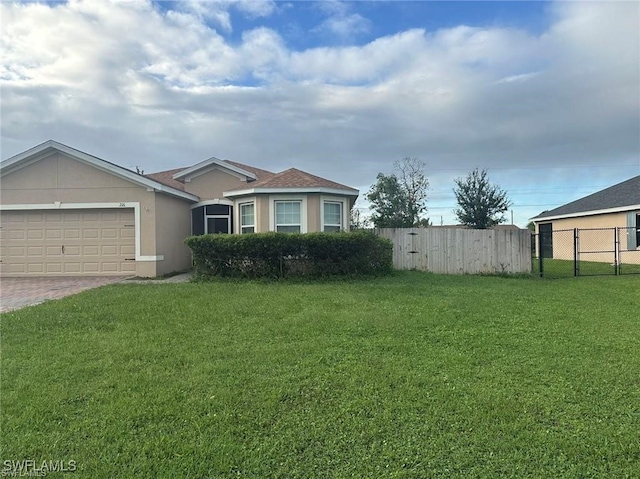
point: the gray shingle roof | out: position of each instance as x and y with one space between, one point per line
623 194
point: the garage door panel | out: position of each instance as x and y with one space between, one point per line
90 250
53 250
110 216
18 251
15 268
53 267
70 267
35 251
34 234
90 267
109 267
108 233
109 250
16 217
36 268
72 250
94 242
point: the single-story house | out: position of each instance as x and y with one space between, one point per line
66 212
602 218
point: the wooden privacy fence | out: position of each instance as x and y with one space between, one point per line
459 250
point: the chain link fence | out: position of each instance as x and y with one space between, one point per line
585 252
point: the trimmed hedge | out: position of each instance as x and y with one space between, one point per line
285 255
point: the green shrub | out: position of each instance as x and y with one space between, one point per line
282 255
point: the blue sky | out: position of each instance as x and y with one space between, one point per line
545 95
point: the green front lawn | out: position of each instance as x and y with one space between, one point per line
412 376
560 268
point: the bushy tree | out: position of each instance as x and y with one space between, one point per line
358 221
481 204
399 200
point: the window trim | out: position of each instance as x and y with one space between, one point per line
343 211
228 217
273 199
252 202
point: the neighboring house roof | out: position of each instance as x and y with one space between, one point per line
49 147
621 197
292 180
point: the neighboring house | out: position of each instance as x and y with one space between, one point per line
604 217
65 212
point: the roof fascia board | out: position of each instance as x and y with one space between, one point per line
312 189
189 172
47 148
29 156
620 209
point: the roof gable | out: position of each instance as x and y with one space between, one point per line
45 149
625 194
207 165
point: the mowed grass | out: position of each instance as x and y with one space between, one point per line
560 268
410 376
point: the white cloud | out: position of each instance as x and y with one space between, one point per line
218 11
345 26
340 22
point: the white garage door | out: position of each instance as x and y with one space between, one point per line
67 242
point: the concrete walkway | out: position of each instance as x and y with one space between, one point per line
16 293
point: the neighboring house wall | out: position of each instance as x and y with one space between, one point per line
212 183
596 236
611 220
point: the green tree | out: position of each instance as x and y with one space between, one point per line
399 200
358 221
481 204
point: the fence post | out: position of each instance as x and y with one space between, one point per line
575 251
616 252
540 255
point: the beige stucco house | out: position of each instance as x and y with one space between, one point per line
607 224
65 212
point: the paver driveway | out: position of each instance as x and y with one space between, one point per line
20 292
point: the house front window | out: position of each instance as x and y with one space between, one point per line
332 216
247 218
210 217
288 216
